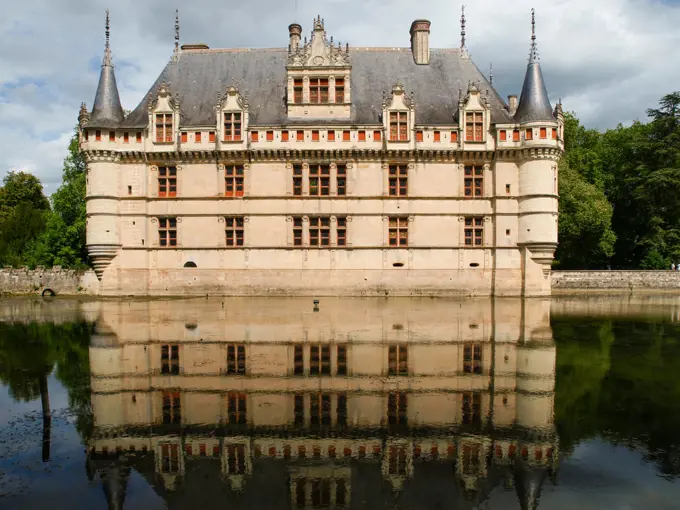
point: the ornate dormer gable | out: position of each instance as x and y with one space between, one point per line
474 113
318 74
398 113
164 117
232 116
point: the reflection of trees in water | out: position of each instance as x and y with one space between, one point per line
28 355
619 380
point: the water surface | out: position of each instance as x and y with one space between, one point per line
362 403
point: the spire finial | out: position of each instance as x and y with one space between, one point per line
533 54
491 73
107 46
462 29
175 53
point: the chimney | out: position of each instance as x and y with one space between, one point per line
420 41
295 33
512 105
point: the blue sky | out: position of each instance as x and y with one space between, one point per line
609 60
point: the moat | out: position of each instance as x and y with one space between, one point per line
349 404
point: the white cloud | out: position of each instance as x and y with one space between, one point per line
610 60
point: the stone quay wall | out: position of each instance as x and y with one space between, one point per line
70 282
630 281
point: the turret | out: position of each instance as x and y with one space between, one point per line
106 111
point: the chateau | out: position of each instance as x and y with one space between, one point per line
323 169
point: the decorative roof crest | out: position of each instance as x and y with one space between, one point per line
232 92
463 46
175 53
319 52
107 46
163 92
533 52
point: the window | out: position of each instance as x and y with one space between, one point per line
454 136
233 181
474 127
543 133
126 137
233 229
515 135
297 91
319 231
342 231
138 137
397 460
320 492
398 180
129 190
398 126
474 181
397 360
211 136
197 136
232 126
163 127
297 180
236 408
398 231
331 136
167 231
529 134
185 137
255 136
419 136
315 135
362 135
167 181
170 457
298 360
297 231
397 409
170 359
236 458
172 407
112 136
342 180
319 180
471 459
472 358
437 136
554 133
346 136
503 135
339 90
320 360
270 136
236 359
507 189
474 231
377 136
300 136
318 90
341 368
320 409
98 135
284 136
86 134
472 408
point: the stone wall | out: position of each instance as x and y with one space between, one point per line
615 281
34 281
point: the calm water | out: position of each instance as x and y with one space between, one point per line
267 404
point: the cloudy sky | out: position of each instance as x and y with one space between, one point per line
609 60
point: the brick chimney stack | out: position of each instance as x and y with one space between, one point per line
420 41
295 33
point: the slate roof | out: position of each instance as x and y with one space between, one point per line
106 111
534 104
200 77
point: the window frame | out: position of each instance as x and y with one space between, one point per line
233 126
234 231
319 90
167 232
397 180
164 125
167 180
234 178
473 181
473 234
398 232
474 126
398 126
320 173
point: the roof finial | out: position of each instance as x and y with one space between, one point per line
533 54
107 47
491 73
175 54
462 29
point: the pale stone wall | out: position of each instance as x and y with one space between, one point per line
34 281
616 280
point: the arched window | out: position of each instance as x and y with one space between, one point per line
190 264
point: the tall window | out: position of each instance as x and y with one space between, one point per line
170 458
472 358
472 408
236 359
172 407
474 127
298 360
322 493
397 360
398 231
474 231
170 359
319 180
167 231
398 180
471 459
339 90
233 229
164 127
236 408
297 231
232 126
297 180
397 409
342 180
398 126
318 90
297 91
319 231
236 458
320 360
397 460
167 181
474 181
233 181
342 230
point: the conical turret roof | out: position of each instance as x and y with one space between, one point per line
106 111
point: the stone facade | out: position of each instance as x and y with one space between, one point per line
324 174
607 281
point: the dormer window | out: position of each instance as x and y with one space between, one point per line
318 90
297 91
339 90
232 126
163 127
398 126
474 127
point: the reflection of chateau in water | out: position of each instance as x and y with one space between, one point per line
267 404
